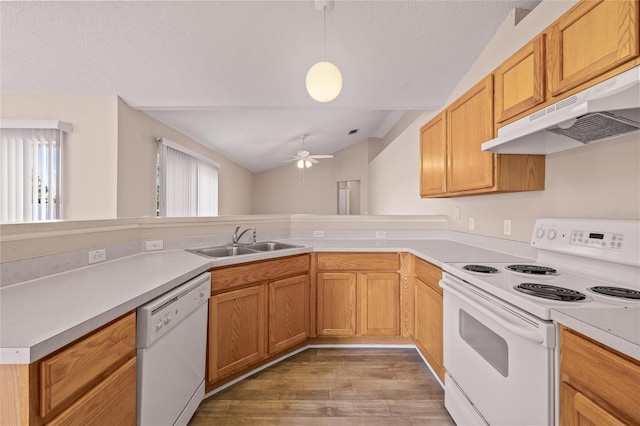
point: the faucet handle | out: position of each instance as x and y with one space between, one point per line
254 236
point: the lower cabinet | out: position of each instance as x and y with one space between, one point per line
257 310
237 330
288 312
90 381
358 294
428 324
598 386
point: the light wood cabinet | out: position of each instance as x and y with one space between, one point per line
469 124
379 303
336 304
358 294
237 330
590 39
89 381
469 170
598 385
288 312
256 310
428 334
519 81
433 157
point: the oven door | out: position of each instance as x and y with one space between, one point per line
501 359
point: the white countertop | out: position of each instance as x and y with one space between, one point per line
40 316
617 327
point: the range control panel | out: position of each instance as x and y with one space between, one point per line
615 241
605 240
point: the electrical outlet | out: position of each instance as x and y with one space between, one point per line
457 213
507 227
154 245
318 234
381 234
472 223
96 256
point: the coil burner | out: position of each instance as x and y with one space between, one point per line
481 269
621 292
532 269
550 292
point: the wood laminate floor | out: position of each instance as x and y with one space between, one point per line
333 387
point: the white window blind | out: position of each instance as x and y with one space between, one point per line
31 170
188 182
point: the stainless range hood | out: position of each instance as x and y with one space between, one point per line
601 112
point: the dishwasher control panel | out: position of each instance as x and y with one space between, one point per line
159 316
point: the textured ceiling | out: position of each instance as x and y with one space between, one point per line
231 73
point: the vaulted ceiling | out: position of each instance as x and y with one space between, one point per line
231 74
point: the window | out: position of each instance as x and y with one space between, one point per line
187 182
31 153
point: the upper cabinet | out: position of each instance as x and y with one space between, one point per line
453 163
519 81
433 157
469 124
590 39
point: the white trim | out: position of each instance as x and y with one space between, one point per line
178 147
35 124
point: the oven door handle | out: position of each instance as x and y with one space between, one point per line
495 316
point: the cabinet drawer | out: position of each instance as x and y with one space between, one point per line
428 274
358 262
112 402
610 379
223 279
75 369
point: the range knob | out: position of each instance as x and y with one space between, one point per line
539 232
552 234
159 325
167 319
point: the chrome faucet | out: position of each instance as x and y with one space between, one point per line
236 237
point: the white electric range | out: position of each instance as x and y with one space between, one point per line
499 341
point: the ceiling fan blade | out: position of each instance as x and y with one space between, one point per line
321 156
313 160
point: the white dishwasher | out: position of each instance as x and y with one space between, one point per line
171 348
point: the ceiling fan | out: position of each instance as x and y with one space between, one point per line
304 159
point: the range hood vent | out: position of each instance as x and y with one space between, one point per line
604 111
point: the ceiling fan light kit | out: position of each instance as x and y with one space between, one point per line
304 159
324 80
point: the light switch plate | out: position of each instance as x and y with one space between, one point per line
472 223
381 234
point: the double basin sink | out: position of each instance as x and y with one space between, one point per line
230 250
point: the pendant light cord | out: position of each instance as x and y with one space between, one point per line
324 31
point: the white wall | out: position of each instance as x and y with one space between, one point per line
137 153
600 180
91 151
287 190
110 157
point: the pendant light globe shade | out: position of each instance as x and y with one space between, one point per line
324 81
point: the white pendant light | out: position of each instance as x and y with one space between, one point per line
324 80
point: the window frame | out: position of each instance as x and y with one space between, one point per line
161 186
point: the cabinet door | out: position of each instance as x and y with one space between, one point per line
336 304
379 304
520 81
469 124
237 327
112 402
433 157
590 39
579 410
288 312
428 325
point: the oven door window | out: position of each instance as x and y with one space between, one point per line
485 342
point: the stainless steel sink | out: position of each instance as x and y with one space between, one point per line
223 251
271 246
230 250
